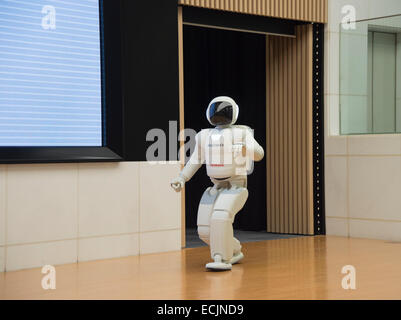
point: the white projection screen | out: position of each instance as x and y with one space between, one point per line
50 73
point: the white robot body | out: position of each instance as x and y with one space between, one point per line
223 151
228 152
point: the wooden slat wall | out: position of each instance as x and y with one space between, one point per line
289 132
305 10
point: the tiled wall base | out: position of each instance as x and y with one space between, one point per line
64 213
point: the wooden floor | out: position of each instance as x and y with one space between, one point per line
299 268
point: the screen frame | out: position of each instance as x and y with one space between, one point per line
112 104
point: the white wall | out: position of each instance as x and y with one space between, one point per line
363 173
64 213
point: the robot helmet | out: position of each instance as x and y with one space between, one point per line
222 111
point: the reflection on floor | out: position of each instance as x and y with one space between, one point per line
298 268
192 239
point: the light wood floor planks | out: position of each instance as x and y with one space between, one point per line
299 268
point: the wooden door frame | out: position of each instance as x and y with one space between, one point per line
181 118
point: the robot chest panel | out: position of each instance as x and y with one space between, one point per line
219 149
223 151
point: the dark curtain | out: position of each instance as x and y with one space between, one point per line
229 63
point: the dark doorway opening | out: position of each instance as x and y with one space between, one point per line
227 63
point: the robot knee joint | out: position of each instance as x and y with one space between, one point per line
204 233
221 215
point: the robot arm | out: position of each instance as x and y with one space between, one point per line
253 149
193 165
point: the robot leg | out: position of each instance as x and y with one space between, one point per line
223 245
237 255
205 211
236 246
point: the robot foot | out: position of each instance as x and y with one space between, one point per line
237 258
218 264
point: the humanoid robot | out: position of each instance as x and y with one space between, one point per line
228 152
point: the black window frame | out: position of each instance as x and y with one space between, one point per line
112 104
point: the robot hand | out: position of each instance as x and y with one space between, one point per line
177 184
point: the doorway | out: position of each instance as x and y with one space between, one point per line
277 81
227 63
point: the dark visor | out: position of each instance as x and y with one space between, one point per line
221 113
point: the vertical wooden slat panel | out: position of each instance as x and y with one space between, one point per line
291 9
273 94
278 7
302 9
306 10
293 123
299 128
295 126
304 131
270 109
276 138
282 135
289 136
268 133
278 132
285 137
290 140
299 138
294 135
270 115
273 8
309 126
287 11
270 92
303 136
290 130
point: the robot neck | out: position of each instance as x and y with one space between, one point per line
224 126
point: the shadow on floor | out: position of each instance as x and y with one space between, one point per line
193 241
